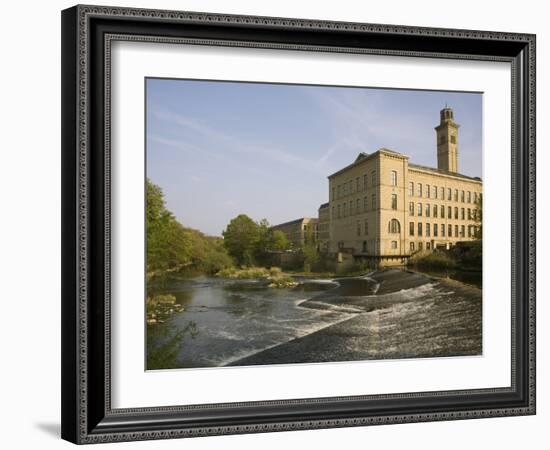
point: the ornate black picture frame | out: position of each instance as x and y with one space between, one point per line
87 34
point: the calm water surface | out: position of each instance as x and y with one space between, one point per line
236 318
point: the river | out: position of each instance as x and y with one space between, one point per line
386 314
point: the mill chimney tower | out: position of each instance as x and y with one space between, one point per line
447 141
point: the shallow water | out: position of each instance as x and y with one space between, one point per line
236 318
382 315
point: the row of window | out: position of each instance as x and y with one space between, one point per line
394 227
429 229
350 208
434 210
428 191
351 186
439 193
419 209
347 188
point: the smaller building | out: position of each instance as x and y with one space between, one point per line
298 230
323 237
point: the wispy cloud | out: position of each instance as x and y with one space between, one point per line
345 143
237 144
360 117
180 145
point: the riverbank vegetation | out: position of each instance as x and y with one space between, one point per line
435 260
172 247
274 276
245 251
248 249
463 256
161 307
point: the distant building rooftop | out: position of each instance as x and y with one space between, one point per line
443 172
301 219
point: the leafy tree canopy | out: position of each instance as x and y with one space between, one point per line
241 239
171 246
250 242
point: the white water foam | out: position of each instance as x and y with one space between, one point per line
300 301
322 281
417 292
336 308
376 283
229 336
301 333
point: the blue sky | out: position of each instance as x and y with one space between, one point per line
219 149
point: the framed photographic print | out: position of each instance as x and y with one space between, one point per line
276 224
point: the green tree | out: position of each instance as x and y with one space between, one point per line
309 248
264 238
279 241
215 256
171 246
241 239
168 243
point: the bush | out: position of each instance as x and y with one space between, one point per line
435 260
274 276
228 272
278 279
247 272
284 281
470 254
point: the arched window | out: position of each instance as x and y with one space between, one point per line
394 227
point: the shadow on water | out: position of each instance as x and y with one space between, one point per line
164 344
315 286
473 277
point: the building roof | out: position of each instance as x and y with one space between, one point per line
443 172
301 219
324 205
364 156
